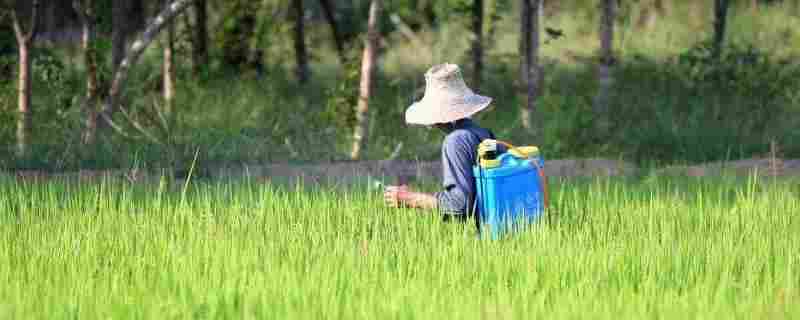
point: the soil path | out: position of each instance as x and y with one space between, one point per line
428 171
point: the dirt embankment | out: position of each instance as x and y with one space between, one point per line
391 170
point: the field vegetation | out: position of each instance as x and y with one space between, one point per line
618 248
671 101
185 245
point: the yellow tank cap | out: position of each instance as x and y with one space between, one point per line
524 152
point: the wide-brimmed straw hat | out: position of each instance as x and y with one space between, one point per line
447 98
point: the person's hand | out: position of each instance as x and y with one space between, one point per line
394 195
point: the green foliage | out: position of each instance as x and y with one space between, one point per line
453 9
102 15
8 64
342 98
8 51
496 10
698 108
671 101
58 113
743 69
236 32
102 49
8 113
46 67
754 84
613 248
352 19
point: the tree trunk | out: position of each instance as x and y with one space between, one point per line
119 32
119 41
526 25
365 88
429 11
24 44
604 75
135 51
200 43
86 16
541 12
168 70
330 14
534 72
24 121
530 73
477 43
720 21
299 42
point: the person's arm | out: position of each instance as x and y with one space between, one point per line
401 196
457 181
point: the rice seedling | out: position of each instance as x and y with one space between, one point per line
607 248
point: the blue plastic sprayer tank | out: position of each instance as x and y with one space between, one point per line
510 194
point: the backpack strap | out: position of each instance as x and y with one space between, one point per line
474 197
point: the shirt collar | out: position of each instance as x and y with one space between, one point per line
459 124
463 123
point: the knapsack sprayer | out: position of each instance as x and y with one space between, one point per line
511 188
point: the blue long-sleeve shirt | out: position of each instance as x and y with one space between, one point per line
459 150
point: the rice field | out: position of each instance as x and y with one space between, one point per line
649 248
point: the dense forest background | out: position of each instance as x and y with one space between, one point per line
249 81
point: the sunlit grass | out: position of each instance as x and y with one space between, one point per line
606 249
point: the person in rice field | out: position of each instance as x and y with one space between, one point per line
448 104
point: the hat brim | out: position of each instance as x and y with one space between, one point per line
428 113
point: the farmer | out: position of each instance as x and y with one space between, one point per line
448 105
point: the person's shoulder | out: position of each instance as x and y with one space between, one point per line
459 141
458 135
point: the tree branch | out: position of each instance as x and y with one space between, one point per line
117 128
141 128
34 29
82 15
136 49
17 27
161 117
329 9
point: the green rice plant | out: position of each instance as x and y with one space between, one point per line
606 249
